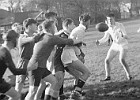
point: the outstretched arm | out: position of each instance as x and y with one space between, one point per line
11 65
105 38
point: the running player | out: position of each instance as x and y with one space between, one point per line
42 51
10 41
26 43
119 45
70 59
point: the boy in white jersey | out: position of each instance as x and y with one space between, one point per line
70 60
120 44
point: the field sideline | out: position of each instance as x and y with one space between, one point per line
118 88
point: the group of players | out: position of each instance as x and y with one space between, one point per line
64 48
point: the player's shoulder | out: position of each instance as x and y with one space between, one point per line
3 50
77 30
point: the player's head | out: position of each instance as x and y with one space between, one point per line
68 24
52 16
17 27
48 26
85 20
110 19
30 25
11 37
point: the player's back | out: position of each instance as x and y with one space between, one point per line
3 65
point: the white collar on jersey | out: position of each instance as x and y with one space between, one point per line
25 33
81 25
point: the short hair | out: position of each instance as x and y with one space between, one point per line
46 25
67 22
15 25
85 17
50 14
29 21
10 35
110 15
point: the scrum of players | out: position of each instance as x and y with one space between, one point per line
45 54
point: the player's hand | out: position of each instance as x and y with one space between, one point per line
97 42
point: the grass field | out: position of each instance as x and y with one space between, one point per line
118 88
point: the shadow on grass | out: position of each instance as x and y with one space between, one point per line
125 90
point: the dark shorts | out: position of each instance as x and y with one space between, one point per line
36 75
59 67
4 87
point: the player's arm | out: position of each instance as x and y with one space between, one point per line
124 34
9 62
58 40
104 39
24 40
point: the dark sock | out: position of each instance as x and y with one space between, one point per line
52 98
61 90
47 97
43 94
79 85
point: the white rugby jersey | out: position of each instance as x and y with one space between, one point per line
117 33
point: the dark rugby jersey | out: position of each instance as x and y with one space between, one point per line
59 50
25 47
7 62
44 47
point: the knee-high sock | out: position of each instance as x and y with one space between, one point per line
79 85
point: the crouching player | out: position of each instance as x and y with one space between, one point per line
70 59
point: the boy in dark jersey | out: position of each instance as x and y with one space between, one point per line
10 41
42 51
68 26
26 43
49 16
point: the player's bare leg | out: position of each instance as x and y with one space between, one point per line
122 57
110 55
40 90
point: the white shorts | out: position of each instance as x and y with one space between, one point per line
68 55
118 47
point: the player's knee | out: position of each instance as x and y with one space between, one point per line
53 81
33 90
16 96
87 72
